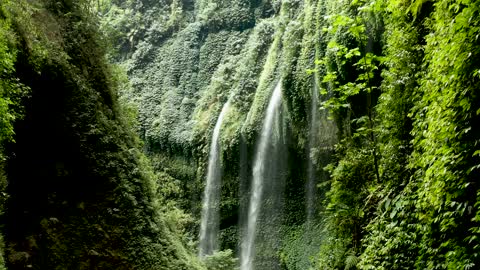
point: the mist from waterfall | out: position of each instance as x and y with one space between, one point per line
311 186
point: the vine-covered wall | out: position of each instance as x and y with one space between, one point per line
76 190
397 151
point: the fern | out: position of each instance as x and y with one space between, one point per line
351 261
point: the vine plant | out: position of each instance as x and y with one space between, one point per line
351 70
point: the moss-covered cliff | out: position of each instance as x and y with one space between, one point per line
185 66
80 193
398 79
366 157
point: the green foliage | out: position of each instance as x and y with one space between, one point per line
392 242
11 93
11 89
81 195
221 260
443 143
182 76
349 78
398 77
392 239
301 246
421 130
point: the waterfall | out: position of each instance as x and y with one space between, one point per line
311 185
262 157
209 226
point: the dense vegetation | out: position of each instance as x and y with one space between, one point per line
395 156
80 193
399 79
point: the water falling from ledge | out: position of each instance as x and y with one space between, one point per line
259 174
209 226
311 186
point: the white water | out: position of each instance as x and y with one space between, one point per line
312 143
248 242
209 225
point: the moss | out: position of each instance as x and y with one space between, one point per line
266 83
81 193
232 50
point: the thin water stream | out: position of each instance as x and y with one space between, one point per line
312 144
259 170
209 226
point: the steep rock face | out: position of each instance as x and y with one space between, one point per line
81 194
170 75
405 111
183 67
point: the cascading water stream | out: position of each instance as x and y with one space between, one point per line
259 166
209 225
312 143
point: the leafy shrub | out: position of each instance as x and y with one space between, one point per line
221 260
